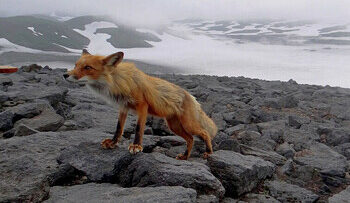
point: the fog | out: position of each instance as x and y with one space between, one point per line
157 12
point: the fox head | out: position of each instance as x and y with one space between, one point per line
93 67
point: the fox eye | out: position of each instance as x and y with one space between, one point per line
87 67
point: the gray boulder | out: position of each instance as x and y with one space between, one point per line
260 198
28 165
48 120
343 196
6 120
285 150
23 130
97 164
105 192
239 173
270 156
324 159
159 170
285 192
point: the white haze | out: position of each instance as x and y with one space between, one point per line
158 12
202 54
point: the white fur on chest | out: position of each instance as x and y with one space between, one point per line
101 89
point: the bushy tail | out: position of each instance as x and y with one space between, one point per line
205 122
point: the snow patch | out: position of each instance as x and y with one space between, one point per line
98 41
34 32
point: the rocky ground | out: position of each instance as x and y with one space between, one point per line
277 142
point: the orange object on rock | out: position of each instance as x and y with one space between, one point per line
8 69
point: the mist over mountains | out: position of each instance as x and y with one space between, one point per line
306 51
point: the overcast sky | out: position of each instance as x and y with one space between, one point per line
154 12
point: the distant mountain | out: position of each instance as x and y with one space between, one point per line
46 33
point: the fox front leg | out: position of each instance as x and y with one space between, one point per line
111 143
136 147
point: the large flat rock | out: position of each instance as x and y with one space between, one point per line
285 192
239 173
341 197
28 165
325 159
99 165
113 193
157 169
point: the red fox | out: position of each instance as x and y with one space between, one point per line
123 84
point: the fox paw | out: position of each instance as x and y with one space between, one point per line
135 148
108 144
181 157
206 155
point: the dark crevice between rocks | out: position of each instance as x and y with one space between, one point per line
67 176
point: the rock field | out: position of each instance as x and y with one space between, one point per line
277 142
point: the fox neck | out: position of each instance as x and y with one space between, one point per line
102 89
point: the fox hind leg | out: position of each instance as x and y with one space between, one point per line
175 125
194 128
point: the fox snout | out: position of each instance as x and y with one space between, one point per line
70 76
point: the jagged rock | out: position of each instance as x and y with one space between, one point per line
113 193
287 167
168 141
235 129
343 196
207 199
98 164
260 198
288 102
53 94
9 133
324 159
28 165
239 173
296 121
29 110
228 144
48 120
285 150
23 130
30 68
266 155
6 120
159 170
285 192
5 81
343 149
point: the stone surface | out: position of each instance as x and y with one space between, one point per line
29 166
260 198
113 193
239 173
285 192
266 155
23 130
6 120
271 120
343 196
48 120
323 158
159 170
97 164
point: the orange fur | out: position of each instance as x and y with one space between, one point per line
121 82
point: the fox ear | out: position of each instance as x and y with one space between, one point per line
85 52
113 59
